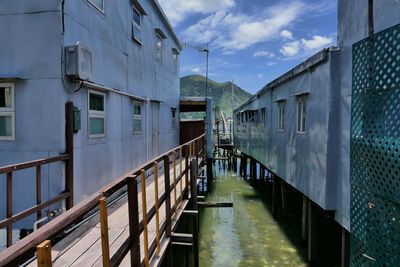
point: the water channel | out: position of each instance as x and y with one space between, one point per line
247 234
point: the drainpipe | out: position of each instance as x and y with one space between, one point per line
370 18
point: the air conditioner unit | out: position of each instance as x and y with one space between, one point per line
78 62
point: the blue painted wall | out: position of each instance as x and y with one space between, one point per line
37 32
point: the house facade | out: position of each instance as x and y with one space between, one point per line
327 128
117 61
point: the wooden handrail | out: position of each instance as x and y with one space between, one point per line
33 163
73 215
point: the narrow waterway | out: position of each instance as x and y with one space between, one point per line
247 234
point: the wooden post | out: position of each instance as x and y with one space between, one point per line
345 248
283 196
44 254
157 207
187 185
174 183
9 197
209 174
69 164
38 190
144 212
133 209
167 183
275 188
245 166
180 176
105 246
304 219
312 234
193 195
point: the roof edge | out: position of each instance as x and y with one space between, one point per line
311 62
168 23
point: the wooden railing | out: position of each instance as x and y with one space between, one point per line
41 239
67 195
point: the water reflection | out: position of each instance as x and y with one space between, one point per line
245 235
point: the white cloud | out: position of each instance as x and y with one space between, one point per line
178 10
263 54
259 76
286 34
195 70
317 42
270 63
290 49
235 31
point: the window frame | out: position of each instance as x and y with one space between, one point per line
263 114
102 10
173 118
160 39
175 58
9 112
281 116
137 117
137 26
301 116
96 114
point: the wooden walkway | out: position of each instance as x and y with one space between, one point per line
83 246
113 228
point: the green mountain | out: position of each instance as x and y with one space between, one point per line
220 93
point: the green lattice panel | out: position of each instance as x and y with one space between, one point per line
375 155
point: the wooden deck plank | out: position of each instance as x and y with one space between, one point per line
83 246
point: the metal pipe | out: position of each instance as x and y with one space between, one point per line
371 28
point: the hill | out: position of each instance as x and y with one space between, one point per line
221 93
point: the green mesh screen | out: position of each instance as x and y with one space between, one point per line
375 156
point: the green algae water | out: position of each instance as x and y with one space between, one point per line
247 234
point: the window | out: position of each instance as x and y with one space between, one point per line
137 117
301 115
262 121
238 119
99 4
175 56
159 47
281 116
7 112
96 120
173 118
136 26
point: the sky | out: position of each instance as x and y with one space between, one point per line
250 41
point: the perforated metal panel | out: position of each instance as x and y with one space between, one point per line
375 155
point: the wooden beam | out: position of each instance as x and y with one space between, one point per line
134 234
180 177
38 191
157 207
182 244
193 195
69 164
9 201
215 204
167 193
44 254
182 237
191 212
144 212
174 172
105 246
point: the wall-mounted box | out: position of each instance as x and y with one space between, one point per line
77 120
78 62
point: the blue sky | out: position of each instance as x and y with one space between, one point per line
252 41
